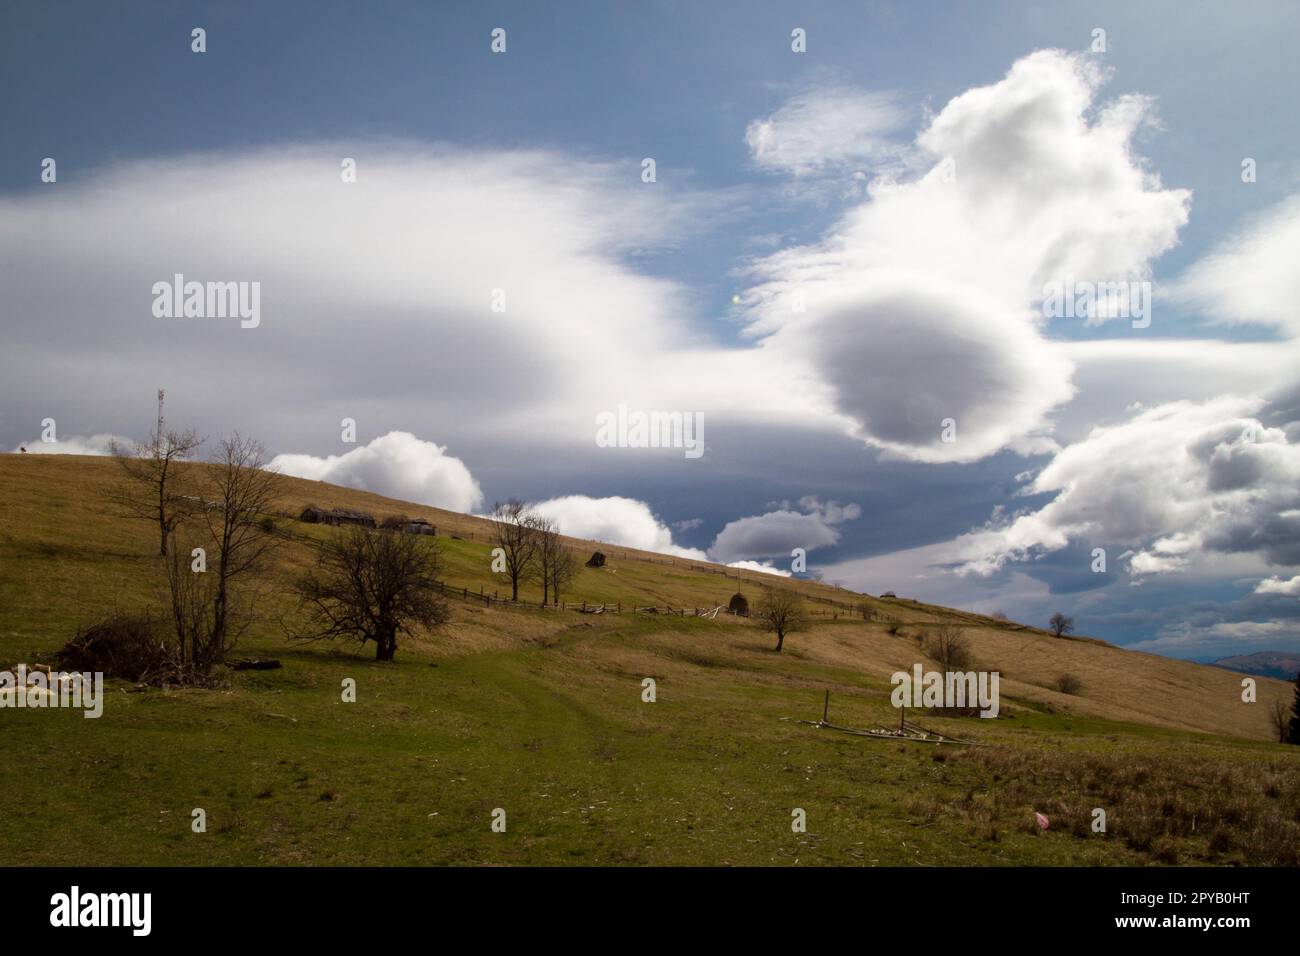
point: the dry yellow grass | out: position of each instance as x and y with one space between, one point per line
47 502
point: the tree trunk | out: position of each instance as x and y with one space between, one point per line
385 645
780 640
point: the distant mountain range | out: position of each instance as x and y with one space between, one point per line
1281 664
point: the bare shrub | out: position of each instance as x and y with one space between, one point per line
949 647
129 646
1068 684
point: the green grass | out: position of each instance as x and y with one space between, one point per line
540 713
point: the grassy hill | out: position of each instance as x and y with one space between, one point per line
540 713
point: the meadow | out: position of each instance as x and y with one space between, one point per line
540 714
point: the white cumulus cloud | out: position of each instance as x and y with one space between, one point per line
924 302
1172 484
616 520
398 465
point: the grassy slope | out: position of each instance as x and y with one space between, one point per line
540 713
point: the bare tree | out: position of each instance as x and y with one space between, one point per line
1293 724
547 552
564 568
1280 718
1060 624
781 612
372 586
243 490
209 611
190 594
949 646
153 489
554 565
514 531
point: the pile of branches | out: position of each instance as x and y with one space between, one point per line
128 646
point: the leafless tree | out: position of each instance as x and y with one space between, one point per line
949 647
781 612
514 531
153 490
564 568
372 586
1060 624
1279 716
208 609
547 550
190 599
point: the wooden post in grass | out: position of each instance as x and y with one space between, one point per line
826 706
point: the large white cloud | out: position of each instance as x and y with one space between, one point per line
1172 485
376 296
398 465
615 520
924 303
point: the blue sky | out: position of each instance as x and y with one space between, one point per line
523 169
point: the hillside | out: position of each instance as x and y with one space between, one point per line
540 712
1277 664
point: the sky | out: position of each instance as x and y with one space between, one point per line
837 238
